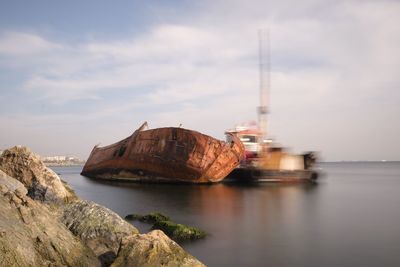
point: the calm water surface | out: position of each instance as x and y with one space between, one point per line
350 218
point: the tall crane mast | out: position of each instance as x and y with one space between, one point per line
264 61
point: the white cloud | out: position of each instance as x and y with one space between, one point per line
170 58
329 59
22 44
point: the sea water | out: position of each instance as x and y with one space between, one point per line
351 217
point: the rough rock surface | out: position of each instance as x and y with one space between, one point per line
98 227
43 223
12 184
42 183
30 234
153 249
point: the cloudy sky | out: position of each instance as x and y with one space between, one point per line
77 73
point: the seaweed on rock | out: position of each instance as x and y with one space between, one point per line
179 231
152 217
176 231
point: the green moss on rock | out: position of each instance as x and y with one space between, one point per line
176 231
152 217
133 217
179 231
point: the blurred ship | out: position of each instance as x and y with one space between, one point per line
264 160
165 155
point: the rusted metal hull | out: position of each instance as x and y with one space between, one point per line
165 155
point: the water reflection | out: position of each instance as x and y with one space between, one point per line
227 201
233 201
348 219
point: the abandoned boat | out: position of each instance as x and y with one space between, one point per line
265 161
165 155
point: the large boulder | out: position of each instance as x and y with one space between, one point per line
98 227
78 233
12 184
42 183
153 249
30 234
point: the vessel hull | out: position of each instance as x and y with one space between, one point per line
165 155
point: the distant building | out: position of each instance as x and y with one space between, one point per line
61 160
54 158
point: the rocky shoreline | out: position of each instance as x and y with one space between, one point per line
43 223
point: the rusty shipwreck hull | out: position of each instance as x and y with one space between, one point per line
165 155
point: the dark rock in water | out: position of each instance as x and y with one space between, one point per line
149 218
153 249
154 217
178 231
42 183
133 217
31 235
98 227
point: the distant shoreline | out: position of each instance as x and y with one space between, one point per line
63 164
